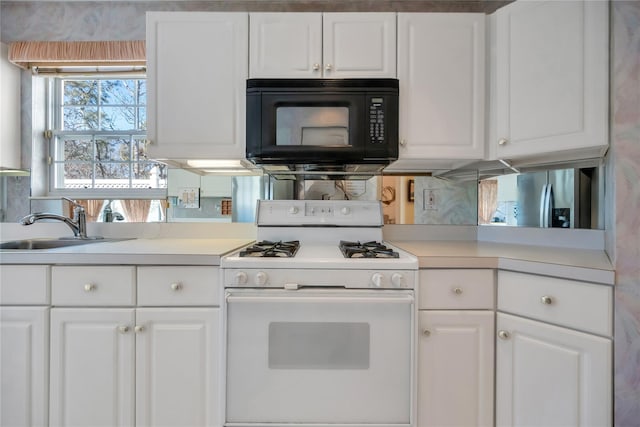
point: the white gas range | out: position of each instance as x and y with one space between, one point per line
320 320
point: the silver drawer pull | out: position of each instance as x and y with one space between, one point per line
546 299
426 332
139 328
123 329
89 287
504 335
457 291
176 286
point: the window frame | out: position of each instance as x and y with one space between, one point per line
54 115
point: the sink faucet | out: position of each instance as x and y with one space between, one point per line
78 223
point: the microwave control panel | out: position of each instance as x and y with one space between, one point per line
376 120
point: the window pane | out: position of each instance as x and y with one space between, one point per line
118 92
75 171
80 92
78 149
79 118
116 148
139 150
118 118
109 170
142 92
142 118
152 172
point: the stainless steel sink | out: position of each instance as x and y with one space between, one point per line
53 243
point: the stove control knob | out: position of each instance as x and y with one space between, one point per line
397 280
261 278
241 278
293 210
345 211
376 280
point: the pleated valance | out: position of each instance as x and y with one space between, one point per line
60 54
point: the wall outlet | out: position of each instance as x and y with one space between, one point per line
430 199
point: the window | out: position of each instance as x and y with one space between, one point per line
98 140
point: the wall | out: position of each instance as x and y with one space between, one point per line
624 163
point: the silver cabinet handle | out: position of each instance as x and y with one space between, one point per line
328 67
546 299
176 286
123 329
139 328
316 67
426 332
504 335
457 291
89 287
403 142
503 141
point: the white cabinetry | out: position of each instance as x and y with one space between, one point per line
441 68
196 73
455 351
10 106
330 45
550 80
552 375
24 343
117 363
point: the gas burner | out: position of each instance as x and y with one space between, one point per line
266 248
366 250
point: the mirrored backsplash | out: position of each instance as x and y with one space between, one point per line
563 198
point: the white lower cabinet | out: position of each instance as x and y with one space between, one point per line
553 352
456 348
177 361
24 340
92 369
455 371
551 376
115 363
24 345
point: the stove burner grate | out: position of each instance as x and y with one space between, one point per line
366 250
267 248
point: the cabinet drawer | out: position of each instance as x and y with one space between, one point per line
457 289
570 303
24 284
173 286
93 286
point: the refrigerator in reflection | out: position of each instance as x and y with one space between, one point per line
563 198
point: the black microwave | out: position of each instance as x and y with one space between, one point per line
326 123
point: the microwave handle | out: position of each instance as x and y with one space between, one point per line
370 298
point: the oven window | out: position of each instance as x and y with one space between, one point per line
318 345
312 126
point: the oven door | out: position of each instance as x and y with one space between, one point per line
321 357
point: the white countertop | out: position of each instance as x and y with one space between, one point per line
579 264
155 251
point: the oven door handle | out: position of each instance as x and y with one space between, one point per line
318 298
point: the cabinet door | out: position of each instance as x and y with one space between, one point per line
196 77
177 367
24 346
551 376
285 45
92 371
441 72
551 77
455 368
359 45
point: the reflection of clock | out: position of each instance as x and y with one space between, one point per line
388 195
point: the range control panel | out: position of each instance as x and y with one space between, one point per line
346 213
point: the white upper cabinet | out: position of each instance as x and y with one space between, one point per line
550 80
196 70
441 68
329 45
